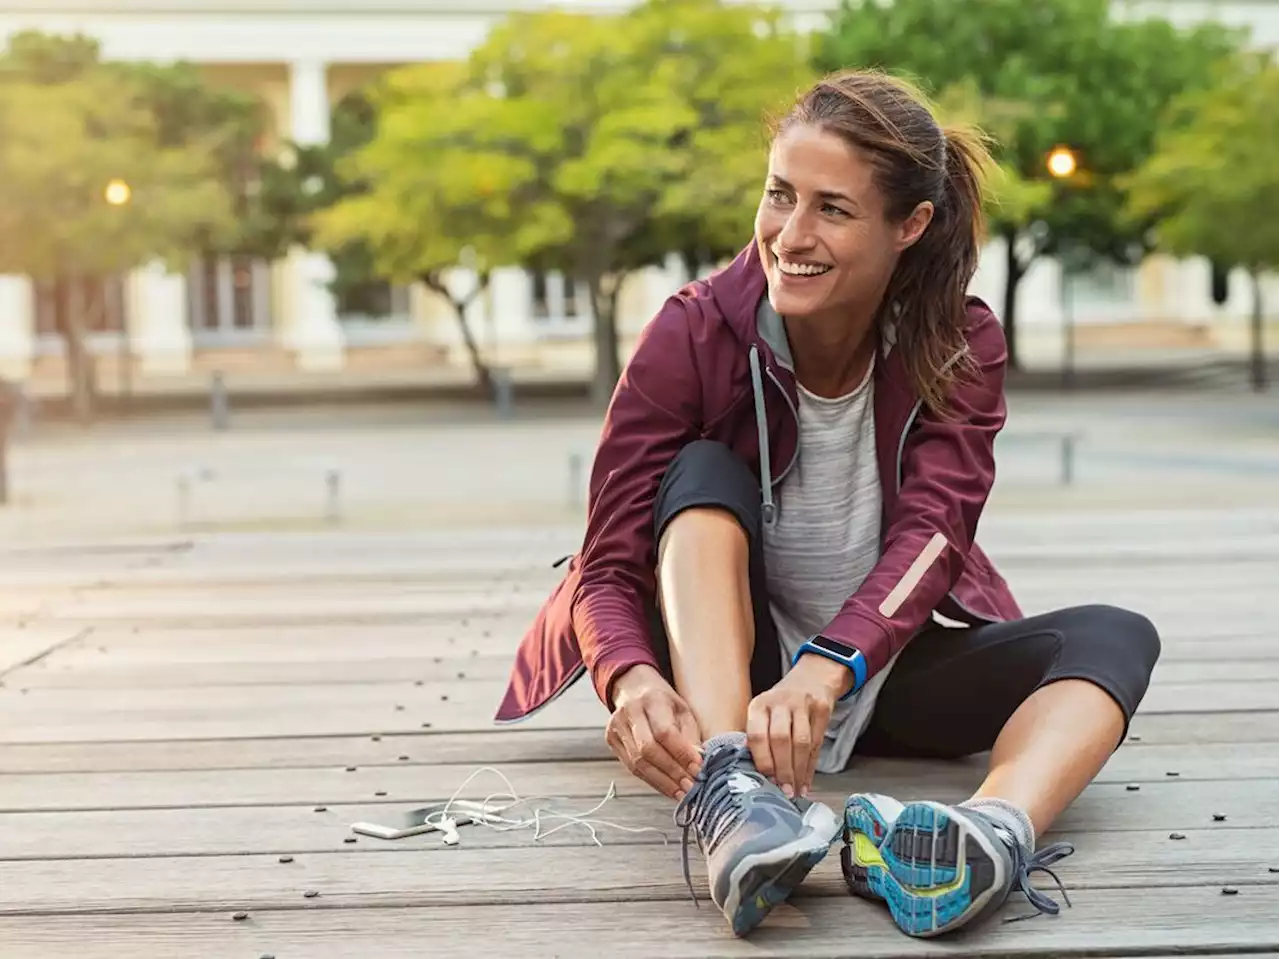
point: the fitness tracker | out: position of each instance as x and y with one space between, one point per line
840 653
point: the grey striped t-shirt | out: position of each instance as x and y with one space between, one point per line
825 540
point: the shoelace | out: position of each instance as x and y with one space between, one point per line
1039 861
710 806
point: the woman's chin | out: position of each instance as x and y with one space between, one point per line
789 304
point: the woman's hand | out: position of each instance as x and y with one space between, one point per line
786 724
653 732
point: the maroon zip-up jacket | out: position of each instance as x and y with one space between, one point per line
715 364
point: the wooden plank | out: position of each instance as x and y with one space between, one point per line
566 874
414 692
481 747
303 787
1216 607
312 607
514 744
1124 922
19 646
57 715
297 829
1211 697
107 672
1243 766
481 635
1224 727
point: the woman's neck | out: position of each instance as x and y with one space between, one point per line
831 354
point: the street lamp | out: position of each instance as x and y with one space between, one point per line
1061 163
117 192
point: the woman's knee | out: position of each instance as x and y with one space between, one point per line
706 484
1115 647
1130 634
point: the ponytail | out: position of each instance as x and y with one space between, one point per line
930 285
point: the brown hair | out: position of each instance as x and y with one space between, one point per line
914 159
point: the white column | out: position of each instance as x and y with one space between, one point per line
511 321
312 330
17 327
158 333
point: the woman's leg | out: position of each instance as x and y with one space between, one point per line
1051 696
714 637
705 598
712 629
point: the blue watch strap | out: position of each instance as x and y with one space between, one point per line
857 664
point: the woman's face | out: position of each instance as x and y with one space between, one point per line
821 229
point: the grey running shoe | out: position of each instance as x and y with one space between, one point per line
758 844
938 867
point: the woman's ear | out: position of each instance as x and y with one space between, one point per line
913 227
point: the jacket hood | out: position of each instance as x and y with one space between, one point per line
737 289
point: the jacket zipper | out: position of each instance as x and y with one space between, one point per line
795 415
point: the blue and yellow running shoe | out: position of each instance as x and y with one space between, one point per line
759 844
939 868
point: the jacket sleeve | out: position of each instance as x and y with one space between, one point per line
654 413
948 468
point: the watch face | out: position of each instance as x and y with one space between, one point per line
831 646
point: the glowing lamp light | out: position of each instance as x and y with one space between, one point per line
1061 162
117 193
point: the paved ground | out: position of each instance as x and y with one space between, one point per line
190 725
415 465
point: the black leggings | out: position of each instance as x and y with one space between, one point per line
952 689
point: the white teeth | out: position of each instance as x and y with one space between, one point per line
801 269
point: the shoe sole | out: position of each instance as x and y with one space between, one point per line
933 867
760 882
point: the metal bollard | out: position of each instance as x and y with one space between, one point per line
184 500
502 392
333 510
575 480
219 403
1068 459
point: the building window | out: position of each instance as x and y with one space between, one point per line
557 299
101 304
228 298
372 301
541 305
572 291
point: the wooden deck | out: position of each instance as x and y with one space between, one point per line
189 727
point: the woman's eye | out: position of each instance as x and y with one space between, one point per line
776 196
833 210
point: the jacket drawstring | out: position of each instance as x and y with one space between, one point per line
767 508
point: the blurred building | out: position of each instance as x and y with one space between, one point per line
276 323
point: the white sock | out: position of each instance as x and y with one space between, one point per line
724 739
1009 816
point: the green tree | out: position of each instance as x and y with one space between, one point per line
589 144
413 220
1055 73
89 186
1213 182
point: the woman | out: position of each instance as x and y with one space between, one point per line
779 569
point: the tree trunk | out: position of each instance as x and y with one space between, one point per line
484 377
1014 271
79 362
604 303
1257 358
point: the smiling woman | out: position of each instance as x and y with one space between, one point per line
779 571
869 193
